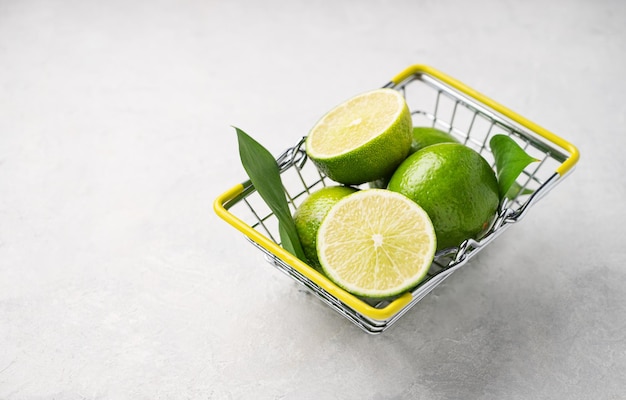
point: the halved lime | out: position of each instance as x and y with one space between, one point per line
363 139
376 243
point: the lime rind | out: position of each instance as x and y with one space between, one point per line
310 214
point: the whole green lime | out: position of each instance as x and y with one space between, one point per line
455 185
423 136
310 214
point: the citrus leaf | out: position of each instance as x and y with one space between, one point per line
264 174
516 190
511 160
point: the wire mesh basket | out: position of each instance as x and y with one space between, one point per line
435 100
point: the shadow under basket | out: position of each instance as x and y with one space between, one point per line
435 100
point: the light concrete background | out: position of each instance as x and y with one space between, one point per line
117 281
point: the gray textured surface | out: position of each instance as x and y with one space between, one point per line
117 281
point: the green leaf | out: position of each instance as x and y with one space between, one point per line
516 190
511 160
264 174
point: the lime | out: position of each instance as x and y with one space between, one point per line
363 139
310 214
422 137
376 243
455 185
425 136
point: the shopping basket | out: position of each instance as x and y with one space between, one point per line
436 100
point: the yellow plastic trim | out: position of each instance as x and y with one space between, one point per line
380 314
418 69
